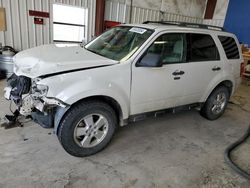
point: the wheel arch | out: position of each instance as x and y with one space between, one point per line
227 83
207 105
110 101
61 112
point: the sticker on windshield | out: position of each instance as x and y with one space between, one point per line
138 30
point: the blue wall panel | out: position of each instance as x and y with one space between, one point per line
238 19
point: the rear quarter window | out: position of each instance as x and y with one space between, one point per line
230 47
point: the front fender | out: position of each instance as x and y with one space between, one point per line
76 86
60 111
118 97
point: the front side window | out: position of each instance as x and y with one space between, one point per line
119 43
171 48
201 47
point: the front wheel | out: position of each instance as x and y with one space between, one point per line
87 128
216 103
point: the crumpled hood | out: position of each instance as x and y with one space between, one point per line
48 59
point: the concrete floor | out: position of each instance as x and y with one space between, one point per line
176 150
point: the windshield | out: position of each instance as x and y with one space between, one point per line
119 43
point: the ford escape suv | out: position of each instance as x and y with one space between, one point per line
124 75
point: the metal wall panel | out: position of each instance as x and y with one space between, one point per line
21 31
120 12
181 18
216 22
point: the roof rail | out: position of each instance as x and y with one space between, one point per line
186 24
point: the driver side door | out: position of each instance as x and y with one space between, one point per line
155 88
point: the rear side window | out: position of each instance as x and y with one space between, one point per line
230 47
201 47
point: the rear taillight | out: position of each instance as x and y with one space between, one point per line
242 69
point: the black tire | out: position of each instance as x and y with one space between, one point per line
72 120
207 110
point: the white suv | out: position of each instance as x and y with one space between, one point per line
125 74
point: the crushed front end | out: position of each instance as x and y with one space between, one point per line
31 101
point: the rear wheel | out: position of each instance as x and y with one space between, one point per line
216 103
87 128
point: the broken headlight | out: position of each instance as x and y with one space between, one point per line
43 89
39 91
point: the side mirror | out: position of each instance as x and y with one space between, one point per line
82 44
150 60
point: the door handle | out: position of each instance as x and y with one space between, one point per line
176 73
216 68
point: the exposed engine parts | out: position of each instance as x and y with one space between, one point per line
19 85
30 99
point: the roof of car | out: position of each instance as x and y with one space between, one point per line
159 26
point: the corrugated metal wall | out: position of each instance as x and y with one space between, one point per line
181 18
21 31
216 22
120 12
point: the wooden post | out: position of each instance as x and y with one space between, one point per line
2 20
209 13
99 18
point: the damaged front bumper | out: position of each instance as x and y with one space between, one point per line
31 100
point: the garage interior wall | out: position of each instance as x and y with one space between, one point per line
22 33
193 8
173 10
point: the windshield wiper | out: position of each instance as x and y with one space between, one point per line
94 52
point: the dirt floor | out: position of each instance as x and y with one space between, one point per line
176 150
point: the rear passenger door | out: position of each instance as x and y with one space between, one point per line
202 67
